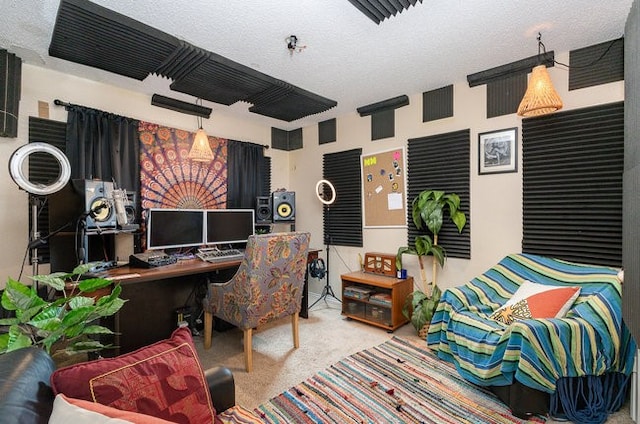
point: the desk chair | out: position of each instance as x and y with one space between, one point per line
267 286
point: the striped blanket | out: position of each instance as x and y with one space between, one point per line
591 340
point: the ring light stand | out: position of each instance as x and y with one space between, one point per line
16 169
326 290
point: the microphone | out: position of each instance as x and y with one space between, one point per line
119 196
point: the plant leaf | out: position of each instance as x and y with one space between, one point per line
48 341
85 346
76 316
17 296
54 280
432 216
115 293
48 318
84 268
92 284
110 308
424 245
453 200
438 254
80 301
459 219
9 321
96 329
16 339
401 251
74 330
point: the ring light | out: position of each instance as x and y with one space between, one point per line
18 159
320 196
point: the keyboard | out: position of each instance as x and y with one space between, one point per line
151 259
213 254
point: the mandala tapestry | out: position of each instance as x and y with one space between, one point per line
168 179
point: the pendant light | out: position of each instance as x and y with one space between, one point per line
200 149
540 98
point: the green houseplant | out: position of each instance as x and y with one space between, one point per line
62 326
428 211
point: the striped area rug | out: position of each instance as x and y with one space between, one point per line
396 382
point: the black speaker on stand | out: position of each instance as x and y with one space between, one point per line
264 210
284 206
86 206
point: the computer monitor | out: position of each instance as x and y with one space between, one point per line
229 226
173 228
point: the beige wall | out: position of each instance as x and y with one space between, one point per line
39 84
496 200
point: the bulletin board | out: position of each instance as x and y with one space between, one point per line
384 188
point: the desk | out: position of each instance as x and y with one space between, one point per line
129 274
304 310
154 294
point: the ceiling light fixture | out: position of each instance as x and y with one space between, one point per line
200 149
292 44
540 98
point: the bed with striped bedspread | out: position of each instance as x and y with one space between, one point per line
590 340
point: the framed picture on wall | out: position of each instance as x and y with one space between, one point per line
498 151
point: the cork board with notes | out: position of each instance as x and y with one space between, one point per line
384 188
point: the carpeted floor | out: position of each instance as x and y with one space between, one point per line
397 381
325 338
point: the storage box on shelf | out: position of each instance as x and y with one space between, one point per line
375 299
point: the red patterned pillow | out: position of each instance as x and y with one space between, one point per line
164 380
533 300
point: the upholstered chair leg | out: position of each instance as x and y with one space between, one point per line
208 324
294 327
248 350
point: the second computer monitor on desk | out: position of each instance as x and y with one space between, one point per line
229 226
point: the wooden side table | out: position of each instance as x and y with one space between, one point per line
375 299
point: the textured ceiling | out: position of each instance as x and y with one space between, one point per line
343 55
96 36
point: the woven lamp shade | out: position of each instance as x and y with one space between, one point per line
540 98
200 149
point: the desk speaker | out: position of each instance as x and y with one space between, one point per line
90 200
284 206
264 210
130 207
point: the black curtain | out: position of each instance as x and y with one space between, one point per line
245 163
104 146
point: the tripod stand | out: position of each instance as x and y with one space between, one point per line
327 290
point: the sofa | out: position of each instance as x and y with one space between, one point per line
27 385
544 334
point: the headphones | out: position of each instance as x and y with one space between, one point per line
317 268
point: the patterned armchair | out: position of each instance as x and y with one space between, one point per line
267 286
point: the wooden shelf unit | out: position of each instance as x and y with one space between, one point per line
363 308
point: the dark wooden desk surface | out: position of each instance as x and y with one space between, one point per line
154 294
129 274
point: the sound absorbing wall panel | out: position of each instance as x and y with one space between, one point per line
631 177
10 81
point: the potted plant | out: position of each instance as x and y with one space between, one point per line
428 210
62 326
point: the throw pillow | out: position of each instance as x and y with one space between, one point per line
533 300
164 380
76 411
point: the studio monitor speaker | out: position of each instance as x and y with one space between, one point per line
90 200
284 206
264 210
10 83
130 207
